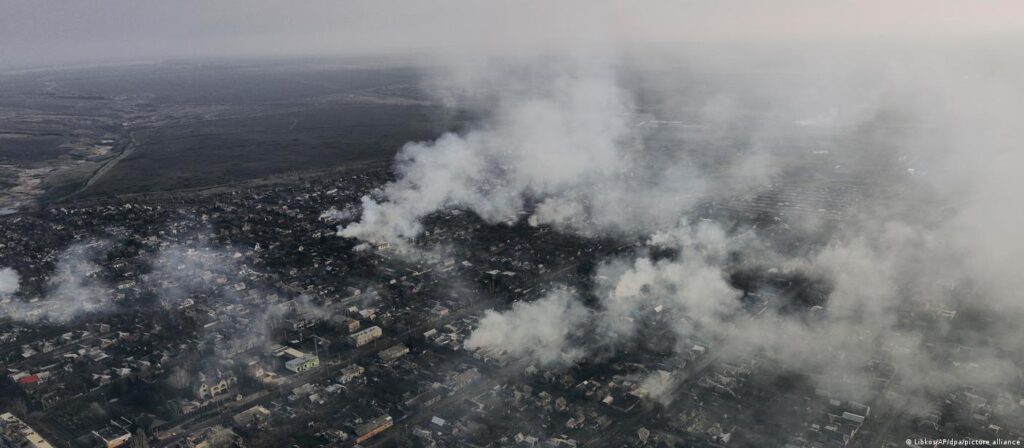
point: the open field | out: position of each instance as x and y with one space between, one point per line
213 152
145 128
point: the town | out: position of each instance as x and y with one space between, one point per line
240 318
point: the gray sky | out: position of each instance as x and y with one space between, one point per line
36 32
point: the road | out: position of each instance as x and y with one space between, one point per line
107 166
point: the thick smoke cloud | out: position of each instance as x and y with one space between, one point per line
539 331
556 146
691 291
565 143
896 295
596 138
920 261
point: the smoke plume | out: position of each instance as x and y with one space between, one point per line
888 176
539 331
73 289
9 281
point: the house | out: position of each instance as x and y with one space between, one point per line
213 385
302 363
366 336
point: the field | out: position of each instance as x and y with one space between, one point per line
222 151
144 128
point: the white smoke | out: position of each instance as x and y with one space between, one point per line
690 291
659 386
929 235
547 145
333 215
539 331
565 143
694 293
893 290
73 289
9 281
180 270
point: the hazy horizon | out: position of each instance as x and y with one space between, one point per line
45 34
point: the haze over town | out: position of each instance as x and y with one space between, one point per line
461 223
